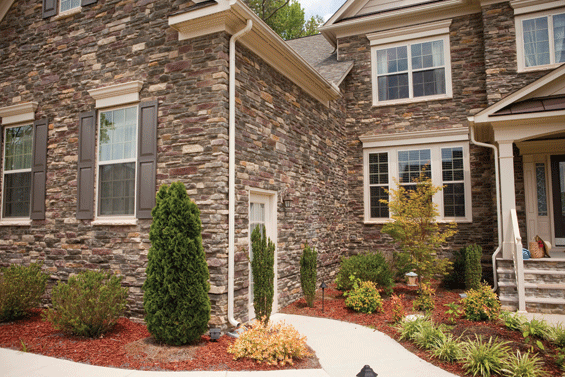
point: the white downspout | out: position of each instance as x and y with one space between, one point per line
231 206
498 214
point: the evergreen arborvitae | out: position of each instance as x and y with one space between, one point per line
308 274
263 269
175 297
473 269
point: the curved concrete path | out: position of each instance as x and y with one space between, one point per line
343 349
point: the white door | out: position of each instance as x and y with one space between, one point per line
262 213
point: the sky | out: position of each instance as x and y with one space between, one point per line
324 8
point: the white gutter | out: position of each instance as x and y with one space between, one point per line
498 214
231 206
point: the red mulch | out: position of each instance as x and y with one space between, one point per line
123 347
334 308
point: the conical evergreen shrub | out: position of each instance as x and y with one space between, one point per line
263 269
308 263
175 297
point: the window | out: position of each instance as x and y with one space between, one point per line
446 163
64 8
541 40
67 5
408 68
17 171
117 156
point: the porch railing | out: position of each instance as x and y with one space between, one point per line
515 242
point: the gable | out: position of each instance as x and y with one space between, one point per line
375 6
5 7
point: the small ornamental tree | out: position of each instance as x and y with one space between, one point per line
263 270
415 229
473 269
175 296
308 274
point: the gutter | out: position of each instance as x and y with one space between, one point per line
231 206
498 211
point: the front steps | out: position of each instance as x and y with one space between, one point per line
544 285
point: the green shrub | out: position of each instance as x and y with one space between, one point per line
557 335
409 327
537 328
453 312
89 304
175 296
429 336
481 304
525 365
473 269
308 264
560 358
481 358
263 269
364 297
21 288
425 300
447 348
456 277
512 321
367 267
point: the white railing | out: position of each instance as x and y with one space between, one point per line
515 242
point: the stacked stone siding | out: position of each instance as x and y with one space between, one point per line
469 97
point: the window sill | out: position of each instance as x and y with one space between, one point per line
114 222
19 222
67 13
439 221
538 68
411 101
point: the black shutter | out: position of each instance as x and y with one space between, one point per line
87 2
86 165
146 159
49 8
38 169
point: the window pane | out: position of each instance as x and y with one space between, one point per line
429 83
412 164
427 55
392 60
118 134
17 188
453 193
559 37
540 188
536 41
452 164
379 209
454 200
393 87
117 189
17 148
378 168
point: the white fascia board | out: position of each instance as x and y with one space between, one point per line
414 138
349 5
22 112
402 17
411 32
114 95
531 6
5 7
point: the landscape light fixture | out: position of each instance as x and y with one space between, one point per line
215 334
367 372
323 286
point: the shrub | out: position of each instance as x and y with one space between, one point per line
557 335
367 267
175 296
484 358
429 336
473 269
481 304
415 229
425 300
525 365
409 327
560 358
398 312
271 343
21 288
89 304
512 321
263 269
308 263
447 348
537 328
364 297
453 312
456 277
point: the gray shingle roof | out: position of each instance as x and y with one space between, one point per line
320 54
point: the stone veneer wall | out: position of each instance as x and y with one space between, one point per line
286 140
54 62
469 97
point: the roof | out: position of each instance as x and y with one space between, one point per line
321 55
533 105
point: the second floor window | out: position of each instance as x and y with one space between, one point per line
541 40
17 171
67 5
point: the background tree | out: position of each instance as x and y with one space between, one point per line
286 17
415 228
176 298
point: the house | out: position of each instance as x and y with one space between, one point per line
101 102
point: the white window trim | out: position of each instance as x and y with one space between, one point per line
66 13
116 95
21 220
406 36
433 140
114 219
20 113
518 22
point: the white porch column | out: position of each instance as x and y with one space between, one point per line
507 193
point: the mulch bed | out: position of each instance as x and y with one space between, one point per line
334 308
129 345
